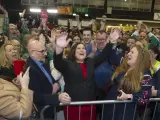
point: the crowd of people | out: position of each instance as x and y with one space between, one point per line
64 65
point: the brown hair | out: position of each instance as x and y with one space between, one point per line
130 83
71 55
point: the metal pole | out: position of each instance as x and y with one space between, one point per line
67 112
102 112
113 111
79 112
124 112
135 110
154 110
152 6
91 112
106 102
145 112
105 6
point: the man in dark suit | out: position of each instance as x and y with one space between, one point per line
41 80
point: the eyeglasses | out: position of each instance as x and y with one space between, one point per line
42 51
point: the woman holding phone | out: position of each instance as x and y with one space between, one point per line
131 81
15 103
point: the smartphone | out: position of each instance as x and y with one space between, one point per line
18 66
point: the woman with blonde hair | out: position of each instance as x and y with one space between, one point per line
8 55
16 44
131 81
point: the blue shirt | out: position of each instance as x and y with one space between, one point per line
40 65
88 49
103 73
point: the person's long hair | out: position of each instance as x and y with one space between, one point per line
71 54
4 62
131 82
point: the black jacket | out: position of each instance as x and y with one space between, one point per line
42 88
76 86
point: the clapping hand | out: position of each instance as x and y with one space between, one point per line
62 41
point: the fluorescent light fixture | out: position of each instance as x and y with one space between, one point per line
86 15
35 10
125 0
52 10
74 14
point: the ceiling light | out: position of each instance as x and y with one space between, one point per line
86 15
35 10
74 14
52 10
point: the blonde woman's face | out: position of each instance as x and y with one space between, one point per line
11 53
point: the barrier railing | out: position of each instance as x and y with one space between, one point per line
103 102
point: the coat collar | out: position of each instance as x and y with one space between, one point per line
8 86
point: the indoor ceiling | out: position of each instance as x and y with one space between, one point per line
143 5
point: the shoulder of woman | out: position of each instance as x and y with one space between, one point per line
6 85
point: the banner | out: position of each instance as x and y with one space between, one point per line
65 10
44 16
80 10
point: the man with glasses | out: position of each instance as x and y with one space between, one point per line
41 81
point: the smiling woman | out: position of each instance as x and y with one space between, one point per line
78 72
9 55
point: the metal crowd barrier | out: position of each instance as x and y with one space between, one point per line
103 102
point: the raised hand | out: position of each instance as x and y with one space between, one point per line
94 46
24 80
4 11
62 41
146 28
139 23
23 13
